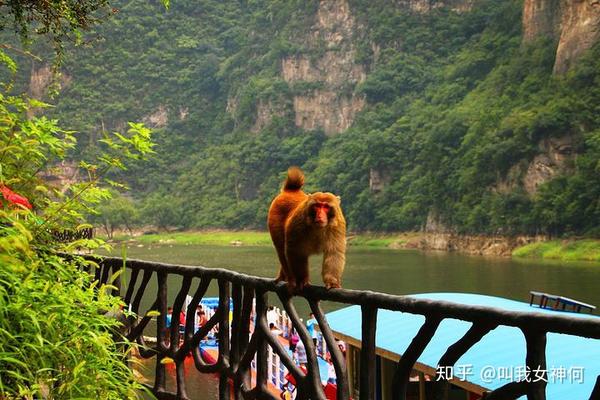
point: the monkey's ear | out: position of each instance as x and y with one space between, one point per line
339 198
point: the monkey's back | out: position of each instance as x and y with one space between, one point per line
281 207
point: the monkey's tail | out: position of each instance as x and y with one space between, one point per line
294 180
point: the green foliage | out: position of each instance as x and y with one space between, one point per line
56 338
117 212
57 22
161 211
447 138
234 186
403 73
582 250
245 238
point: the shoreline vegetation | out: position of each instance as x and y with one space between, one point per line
536 248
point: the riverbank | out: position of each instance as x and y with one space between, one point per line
518 246
564 250
260 238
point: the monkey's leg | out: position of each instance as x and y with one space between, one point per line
333 267
283 267
281 276
278 237
297 271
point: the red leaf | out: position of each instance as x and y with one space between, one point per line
14 198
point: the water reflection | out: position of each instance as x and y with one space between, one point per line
199 386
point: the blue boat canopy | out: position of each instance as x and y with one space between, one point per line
573 363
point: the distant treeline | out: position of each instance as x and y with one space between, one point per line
456 110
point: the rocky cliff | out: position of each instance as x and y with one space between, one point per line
39 80
555 156
574 24
541 18
423 6
333 105
501 246
580 25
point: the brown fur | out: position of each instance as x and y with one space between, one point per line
297 234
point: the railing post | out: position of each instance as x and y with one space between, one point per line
117 271
160 377
367 354
236 334
536 361
596 392
262 362
224 293
475 333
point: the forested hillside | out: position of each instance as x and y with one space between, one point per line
454 115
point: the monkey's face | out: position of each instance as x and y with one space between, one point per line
322 209
320 213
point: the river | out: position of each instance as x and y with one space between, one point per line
389 271
405 271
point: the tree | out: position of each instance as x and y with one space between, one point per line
161 211
117 212
57 21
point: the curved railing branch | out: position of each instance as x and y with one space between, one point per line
310 384
412 353
475 333
177 306
337 357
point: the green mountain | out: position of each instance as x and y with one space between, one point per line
477 116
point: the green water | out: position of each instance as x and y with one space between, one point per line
382 270
405 271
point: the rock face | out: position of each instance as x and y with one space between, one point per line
39 81
580 30
327 110
556 156
575 24
265 112
378 180
331 105
478 245
158 119
554 159
61 175
264 115
423 6
434 223
541 18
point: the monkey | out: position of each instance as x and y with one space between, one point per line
303 224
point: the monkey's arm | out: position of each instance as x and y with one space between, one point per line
334 260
